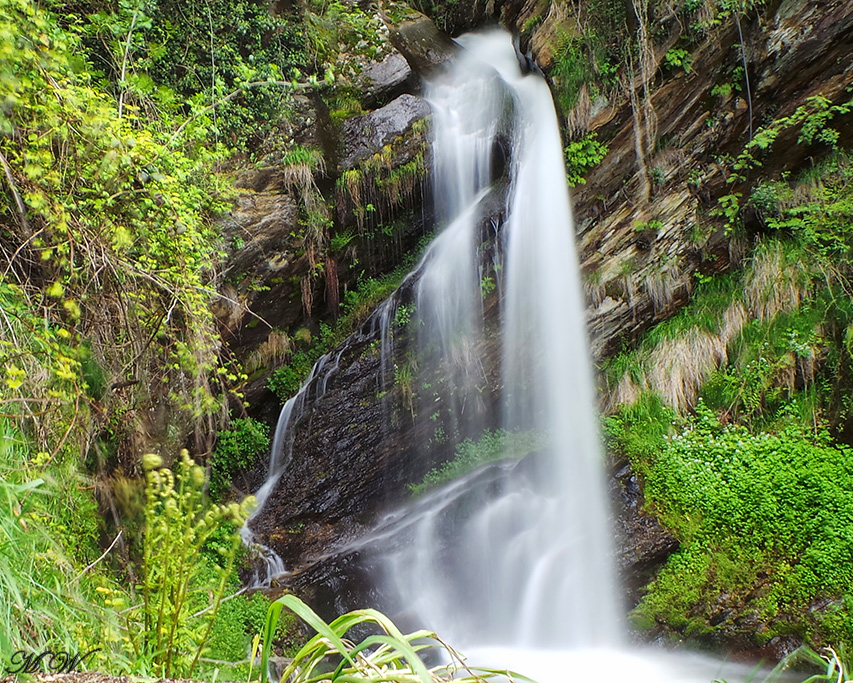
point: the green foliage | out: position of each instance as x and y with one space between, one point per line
240 618
677 58
810 120
45 598
388 657
109 223
178 523
286 380
746 504
237 449
639 431
574 67
590 57
748 389
403 315
490 447
333 26
821 221
722 90
161 54
583 155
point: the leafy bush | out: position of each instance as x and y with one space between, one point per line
237 449
583 155
678 58
109 218
164 54
744 505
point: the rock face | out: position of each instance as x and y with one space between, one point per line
271 257
637 276
386 80
363 136
419 41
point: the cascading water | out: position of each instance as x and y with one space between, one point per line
531 564
512 562
280 453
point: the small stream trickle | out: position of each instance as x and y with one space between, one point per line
313 389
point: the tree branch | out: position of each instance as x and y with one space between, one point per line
19 202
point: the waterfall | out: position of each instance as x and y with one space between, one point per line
511 562
530 563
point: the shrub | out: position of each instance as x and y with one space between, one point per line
746 504
237 449
583 155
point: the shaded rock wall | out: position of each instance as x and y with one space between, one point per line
372 178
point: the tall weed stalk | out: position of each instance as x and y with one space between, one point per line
176 583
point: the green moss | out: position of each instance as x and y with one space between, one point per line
469 455
777 505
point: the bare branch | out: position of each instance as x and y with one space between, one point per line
19 202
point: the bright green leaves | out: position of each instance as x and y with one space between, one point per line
678 58
116 215
788 495
237 449
178 522
583 155
810 119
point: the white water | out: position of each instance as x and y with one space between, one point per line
510 564
513 564
280 454
531 564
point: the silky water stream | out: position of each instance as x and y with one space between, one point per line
514 566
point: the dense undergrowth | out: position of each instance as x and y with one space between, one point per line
109 151
736 414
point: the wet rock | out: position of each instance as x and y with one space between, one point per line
418 39
642 544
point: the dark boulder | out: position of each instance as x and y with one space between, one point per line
417 38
